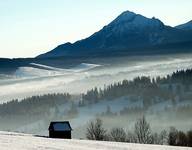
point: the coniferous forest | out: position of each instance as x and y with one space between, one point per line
150 90
40 110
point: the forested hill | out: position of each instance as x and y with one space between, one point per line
34 105
37 111
146 88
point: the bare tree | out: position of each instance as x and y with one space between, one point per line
95 130
160 138
143 131
117 134
163 137
155 138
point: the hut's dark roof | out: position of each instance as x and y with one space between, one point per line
60 126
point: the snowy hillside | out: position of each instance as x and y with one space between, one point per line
17 141
39 70
40 79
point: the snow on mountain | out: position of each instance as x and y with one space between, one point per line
129 25
112 71
84 67
39 70
185 26
136 20
129 33
47 67
32 72
19 141
126 16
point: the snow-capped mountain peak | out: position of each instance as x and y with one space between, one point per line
132 19
125 16
127 32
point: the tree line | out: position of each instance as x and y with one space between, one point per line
34 105
148 89
142 134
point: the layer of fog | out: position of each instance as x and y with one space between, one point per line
28 81
156 116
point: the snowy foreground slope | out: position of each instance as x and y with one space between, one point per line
17 141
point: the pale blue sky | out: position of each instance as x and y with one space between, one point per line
32 27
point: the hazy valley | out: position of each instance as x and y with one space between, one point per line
38 79
135 66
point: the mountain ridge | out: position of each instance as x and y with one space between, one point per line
129 32
185 26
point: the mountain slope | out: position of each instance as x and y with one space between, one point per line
18 141
128 33
185 26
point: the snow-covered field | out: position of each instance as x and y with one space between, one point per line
17 141
41 79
